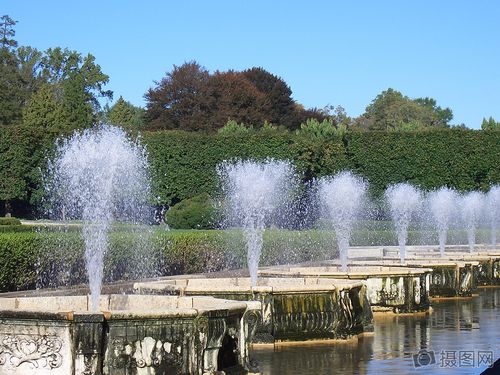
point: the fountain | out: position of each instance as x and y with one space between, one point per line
342 197
493 211
404 200
442 204
254 190
99 176
471 206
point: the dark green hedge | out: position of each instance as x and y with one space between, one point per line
184 164
10 221
463 159
56 258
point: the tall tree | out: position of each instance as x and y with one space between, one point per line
490 124
12 94
178 101
125 114
278 105
391 110
7 32
233 97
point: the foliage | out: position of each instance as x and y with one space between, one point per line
193 213
9 221
7 32
490 124
125 114
232 127
391 110
190 98
183 164
55 258
277 102
463 159
321 130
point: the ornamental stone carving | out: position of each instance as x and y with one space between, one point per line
36 351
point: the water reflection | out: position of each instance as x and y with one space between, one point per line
457 335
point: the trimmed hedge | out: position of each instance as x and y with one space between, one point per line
463 159
56 258
184 164
10 221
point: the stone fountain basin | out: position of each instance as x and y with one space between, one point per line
389 287
292 309
448 278
143 334
484 269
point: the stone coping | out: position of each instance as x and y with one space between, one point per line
243 285
358 271
126 306
417 262
429 263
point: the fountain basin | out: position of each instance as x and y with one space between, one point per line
485 263
292 309
132 334
389 288
448 278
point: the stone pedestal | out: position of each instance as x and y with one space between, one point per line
130 335
292 309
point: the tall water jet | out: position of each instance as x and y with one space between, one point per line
442 204
471 207
99 176
493 211
254 190
404 201
342 197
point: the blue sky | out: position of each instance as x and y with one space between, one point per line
329 52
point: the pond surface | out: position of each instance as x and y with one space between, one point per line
458 337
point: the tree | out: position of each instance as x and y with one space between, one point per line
391 110
277 103
7 32
490 124
125 114
231 96
178 101
11 83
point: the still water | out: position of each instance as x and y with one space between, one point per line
458 337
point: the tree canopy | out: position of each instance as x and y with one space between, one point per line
391 110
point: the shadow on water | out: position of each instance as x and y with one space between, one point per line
458 337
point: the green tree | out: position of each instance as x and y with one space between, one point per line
11 83
43 110
490 124
125 114
326 129
232 127
7 32
391 110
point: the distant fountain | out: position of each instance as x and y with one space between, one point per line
493 211
342 197
99 176
471 207
404 201
254 190
442 204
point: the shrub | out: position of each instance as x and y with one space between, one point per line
9 221
194 213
